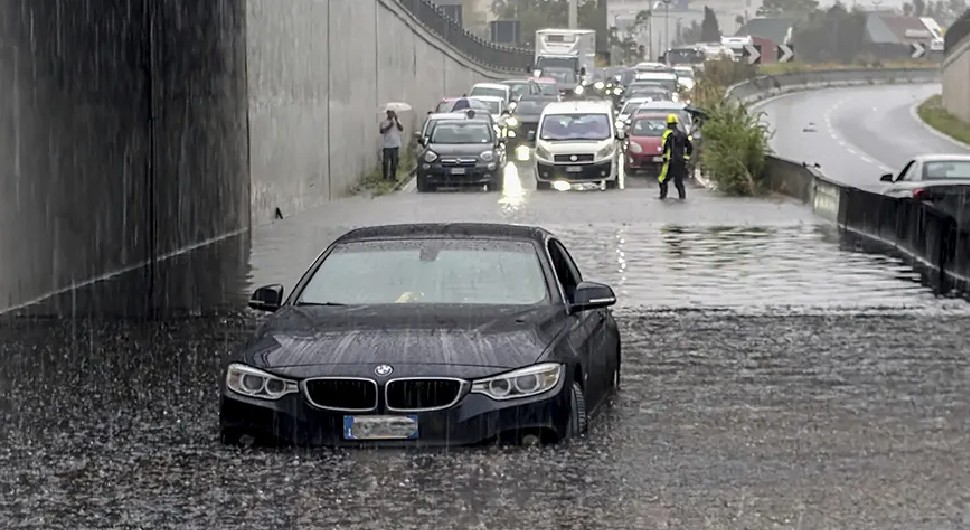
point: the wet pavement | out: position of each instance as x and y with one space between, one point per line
771 380
860 132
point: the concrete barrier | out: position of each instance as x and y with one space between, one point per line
319 73
956 69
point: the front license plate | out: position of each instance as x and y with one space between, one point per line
458 171
574 169
658 159
380 427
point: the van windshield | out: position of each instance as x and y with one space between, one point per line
577 127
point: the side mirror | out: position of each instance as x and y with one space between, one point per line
531 136
591 295
417 135
419 140
886 177
267 298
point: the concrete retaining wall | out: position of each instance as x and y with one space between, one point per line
319 73
118 146
956 80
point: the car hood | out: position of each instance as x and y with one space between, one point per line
469 150
499 337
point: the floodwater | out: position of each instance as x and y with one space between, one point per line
771 380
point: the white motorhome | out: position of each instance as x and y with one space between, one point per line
572 50
577 143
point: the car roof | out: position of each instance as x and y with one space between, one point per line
488 98
655 105
508 81
943 157
447 115
538 97
491 85
445 230
577 107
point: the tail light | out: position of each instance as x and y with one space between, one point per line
921 194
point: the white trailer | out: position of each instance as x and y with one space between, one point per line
574 49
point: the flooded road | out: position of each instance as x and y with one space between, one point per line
771 380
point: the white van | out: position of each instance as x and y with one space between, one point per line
577 143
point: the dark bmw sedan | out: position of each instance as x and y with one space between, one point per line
448 334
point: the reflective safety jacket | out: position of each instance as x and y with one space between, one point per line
676 146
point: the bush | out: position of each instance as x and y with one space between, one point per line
735 146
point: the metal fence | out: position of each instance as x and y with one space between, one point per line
957 32
478 49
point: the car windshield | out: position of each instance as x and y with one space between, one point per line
518 89
530 107
548 89
685 72
592 127
488 91
630 107
946 169
494 107
459 132
431 123
649 126
685 56
649 92
561 75
669 85
429 271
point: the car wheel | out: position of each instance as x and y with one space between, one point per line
542 186
424 185
612 184
578 419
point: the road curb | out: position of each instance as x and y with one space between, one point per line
939 134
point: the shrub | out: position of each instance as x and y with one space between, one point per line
735 146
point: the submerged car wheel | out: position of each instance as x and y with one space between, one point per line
578 420
424 185
497 181
612 184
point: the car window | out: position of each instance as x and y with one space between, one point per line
459 271
460 132
488 91
494 107
630 107
905 172
652 126
591 127
566 271
444 106
946 169
548 89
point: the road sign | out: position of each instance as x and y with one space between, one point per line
919 50
785 53
753 53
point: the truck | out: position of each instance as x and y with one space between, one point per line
565 54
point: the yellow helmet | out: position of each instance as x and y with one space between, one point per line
672 118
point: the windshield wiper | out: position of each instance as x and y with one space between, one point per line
319 304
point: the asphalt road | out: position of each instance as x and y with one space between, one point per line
855 133
772 380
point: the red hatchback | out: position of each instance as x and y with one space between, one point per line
643 149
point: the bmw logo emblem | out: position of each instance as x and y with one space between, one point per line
384 370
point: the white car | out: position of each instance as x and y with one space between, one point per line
498 107
921 175
492 89
631 106
577 142
685 76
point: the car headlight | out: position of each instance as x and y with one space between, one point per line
253 382
674 97
430 156
524 382
599 85
605 152
487 155
513 105
635 148
579 90
543 154
618 90
511 122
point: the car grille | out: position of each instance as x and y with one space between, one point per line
417 394
345 394
568 158
458 162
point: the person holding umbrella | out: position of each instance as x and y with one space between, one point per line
391 130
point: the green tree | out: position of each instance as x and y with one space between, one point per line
778 8
710 31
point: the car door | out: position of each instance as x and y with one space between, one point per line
584 332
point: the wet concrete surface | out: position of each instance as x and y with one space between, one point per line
855 133
771 380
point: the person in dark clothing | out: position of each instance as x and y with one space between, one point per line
677 149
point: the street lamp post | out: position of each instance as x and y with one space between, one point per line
666 25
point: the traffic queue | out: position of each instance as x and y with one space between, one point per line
610 125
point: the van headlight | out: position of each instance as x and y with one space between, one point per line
605 152
543 154
253 382
430 156
520 383
599 85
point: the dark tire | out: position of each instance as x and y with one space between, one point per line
612 184
578 418
543 186
424 185
497 182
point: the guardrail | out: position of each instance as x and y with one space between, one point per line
766 86
483 52
956 33
934 235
